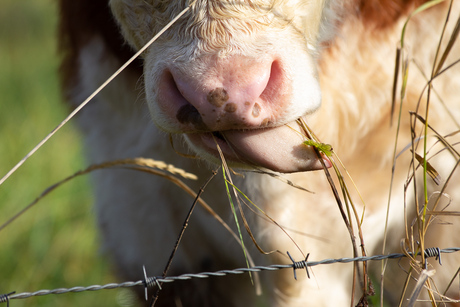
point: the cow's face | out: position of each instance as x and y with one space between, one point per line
233 73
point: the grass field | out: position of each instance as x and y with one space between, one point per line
54 244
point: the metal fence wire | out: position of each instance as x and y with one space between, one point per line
155 281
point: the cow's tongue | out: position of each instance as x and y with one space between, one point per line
279 149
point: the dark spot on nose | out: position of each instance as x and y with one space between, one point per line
188 114
256 110
230 107
217 96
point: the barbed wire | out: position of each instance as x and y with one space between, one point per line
154 281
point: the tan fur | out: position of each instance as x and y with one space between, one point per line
351 55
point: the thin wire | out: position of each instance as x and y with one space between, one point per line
152 281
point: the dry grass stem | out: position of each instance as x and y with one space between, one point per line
418 287
151 166
181 234
351 211
99 89
426 210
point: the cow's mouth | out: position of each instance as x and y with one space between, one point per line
279 149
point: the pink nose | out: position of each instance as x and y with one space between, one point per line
233 93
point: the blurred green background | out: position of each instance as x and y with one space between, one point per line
54 244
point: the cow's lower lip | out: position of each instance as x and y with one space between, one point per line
210 141
279 149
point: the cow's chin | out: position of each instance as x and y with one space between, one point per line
279 149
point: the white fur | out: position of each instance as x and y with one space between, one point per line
140 215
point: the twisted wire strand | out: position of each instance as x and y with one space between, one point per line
153 281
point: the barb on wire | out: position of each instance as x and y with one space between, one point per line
433 252
5 298
299 265
151 281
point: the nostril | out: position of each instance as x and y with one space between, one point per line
256 110
171 93
175 104
188 114
274 83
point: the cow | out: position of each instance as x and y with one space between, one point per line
238 84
